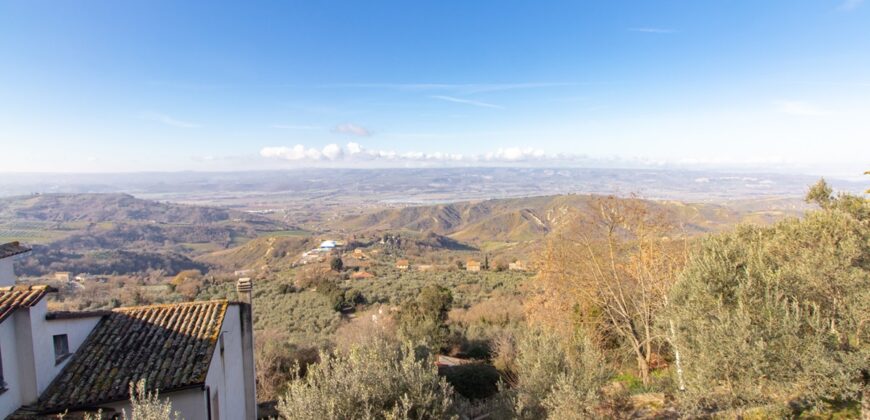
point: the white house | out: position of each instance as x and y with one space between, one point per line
198 354
8 252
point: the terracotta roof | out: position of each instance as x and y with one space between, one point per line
12 248
170 346
14 297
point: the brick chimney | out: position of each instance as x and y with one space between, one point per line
245 287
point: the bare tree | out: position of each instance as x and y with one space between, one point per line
610 271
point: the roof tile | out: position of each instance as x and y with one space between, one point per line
15 297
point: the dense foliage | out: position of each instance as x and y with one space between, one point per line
378 381
778 314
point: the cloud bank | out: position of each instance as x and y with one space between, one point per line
355 153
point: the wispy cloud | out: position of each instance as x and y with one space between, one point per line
353 129
295 127
166 119
800 108
466 101
652 30
458 88
848 5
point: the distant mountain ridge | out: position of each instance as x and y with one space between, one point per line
525 219
113 207
105 233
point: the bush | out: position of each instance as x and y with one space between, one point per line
336 264
423 319
552 378
774 315
378 381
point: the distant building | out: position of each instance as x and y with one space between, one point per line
403 264
517 266
327 245
198 354
62 276
8 253
472 265
362 275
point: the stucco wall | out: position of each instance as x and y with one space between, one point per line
77 330
11 399
7 275
28 352
226 374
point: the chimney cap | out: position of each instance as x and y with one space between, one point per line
244 284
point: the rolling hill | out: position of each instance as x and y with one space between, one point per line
530 219
106 233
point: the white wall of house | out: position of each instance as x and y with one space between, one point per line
27 350
7 274
77 331
26 361
10 400
226 374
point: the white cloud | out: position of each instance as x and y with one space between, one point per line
800 108
354 148
298 152
332 151
515 154
848 5
466 101
651 30
354 152
353 129
166 119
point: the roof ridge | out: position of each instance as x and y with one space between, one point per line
168 305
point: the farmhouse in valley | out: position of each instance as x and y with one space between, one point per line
198 354
472 265
518 266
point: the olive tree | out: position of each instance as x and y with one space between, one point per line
376 381
777 314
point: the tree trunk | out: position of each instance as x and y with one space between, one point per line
677 359
643 366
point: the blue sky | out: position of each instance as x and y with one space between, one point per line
152 85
